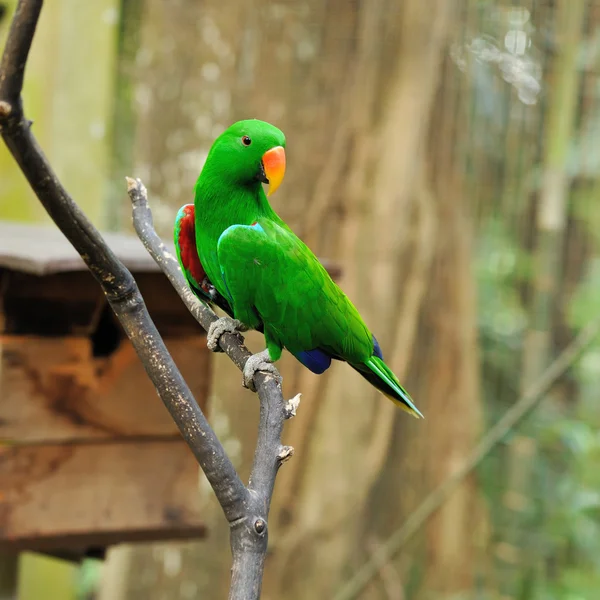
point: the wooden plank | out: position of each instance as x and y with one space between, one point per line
54 390
75 496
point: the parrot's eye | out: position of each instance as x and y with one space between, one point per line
246 140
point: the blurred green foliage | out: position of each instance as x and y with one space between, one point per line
554 533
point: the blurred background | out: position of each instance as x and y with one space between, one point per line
445 154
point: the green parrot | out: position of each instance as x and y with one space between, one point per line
238 254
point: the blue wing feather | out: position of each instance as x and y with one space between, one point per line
315 360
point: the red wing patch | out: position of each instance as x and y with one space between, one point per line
187 246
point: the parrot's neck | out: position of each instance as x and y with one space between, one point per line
219 205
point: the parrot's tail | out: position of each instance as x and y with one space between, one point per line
379 375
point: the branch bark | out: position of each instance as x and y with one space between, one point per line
246 508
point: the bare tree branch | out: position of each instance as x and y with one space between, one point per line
246 508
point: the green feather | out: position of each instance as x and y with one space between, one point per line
388 384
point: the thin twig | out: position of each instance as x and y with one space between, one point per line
246 508
496 434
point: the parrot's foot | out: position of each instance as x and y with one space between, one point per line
219 327
258 362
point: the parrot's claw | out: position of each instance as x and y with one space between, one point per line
218 328
258 362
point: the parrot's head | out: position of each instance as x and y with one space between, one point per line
249 152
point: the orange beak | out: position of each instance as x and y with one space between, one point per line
273 161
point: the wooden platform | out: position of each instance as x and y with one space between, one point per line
89 456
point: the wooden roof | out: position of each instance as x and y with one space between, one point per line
43 250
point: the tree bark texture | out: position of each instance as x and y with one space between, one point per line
358 88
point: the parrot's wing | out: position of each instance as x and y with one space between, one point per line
272 276
187 254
